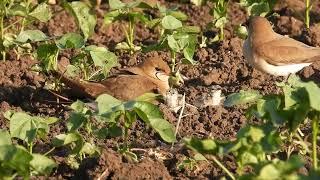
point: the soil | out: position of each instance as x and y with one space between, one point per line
220 66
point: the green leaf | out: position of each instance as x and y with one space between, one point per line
42 165
190 49
173 44
102 57
16 157
206 146
189 29
42 12
17 10
65 139
170 22
241 31
31 35
5 138
259 9
111 16
313 92
242 97
26 127
85 17
116 4
71 40
78 106
75 121
149 97
48 55
178 15
106 103
151 115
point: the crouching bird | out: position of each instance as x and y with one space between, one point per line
152 75
273 53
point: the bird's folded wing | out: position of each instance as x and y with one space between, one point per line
284 51
127 87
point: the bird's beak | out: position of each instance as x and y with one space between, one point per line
162 76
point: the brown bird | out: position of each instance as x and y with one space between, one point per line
273 53
150 76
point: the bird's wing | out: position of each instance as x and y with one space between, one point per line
285 50
128 87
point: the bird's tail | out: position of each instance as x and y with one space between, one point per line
81 88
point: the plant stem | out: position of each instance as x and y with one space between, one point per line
221 33
24 19
3 52
180 116
131 34
315 128
45 154
214 159
173 59
307 14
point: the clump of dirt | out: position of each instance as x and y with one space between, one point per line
111 165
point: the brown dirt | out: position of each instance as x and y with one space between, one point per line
220 66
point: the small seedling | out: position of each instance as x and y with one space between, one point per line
16 159
130 13
25 12
258 7
219 13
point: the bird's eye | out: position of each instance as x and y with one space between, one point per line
158 69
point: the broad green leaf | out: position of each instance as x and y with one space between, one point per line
170 22
313 92
173 44
241 31
111 16
269 171
85 17
248 158
102 57
42 12
220 22
151 115
178 15
41 164
259 9
75 121
242 97
207 146
16 157
116 4
189 50
48 55
71 40
5 138
17 10
106 103
78 106
31 35
65 139
26 127
89 149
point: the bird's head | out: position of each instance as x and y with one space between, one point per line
156 68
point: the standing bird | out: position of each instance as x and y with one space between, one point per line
273 53
152 75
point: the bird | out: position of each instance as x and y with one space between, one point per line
152 75
273 53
